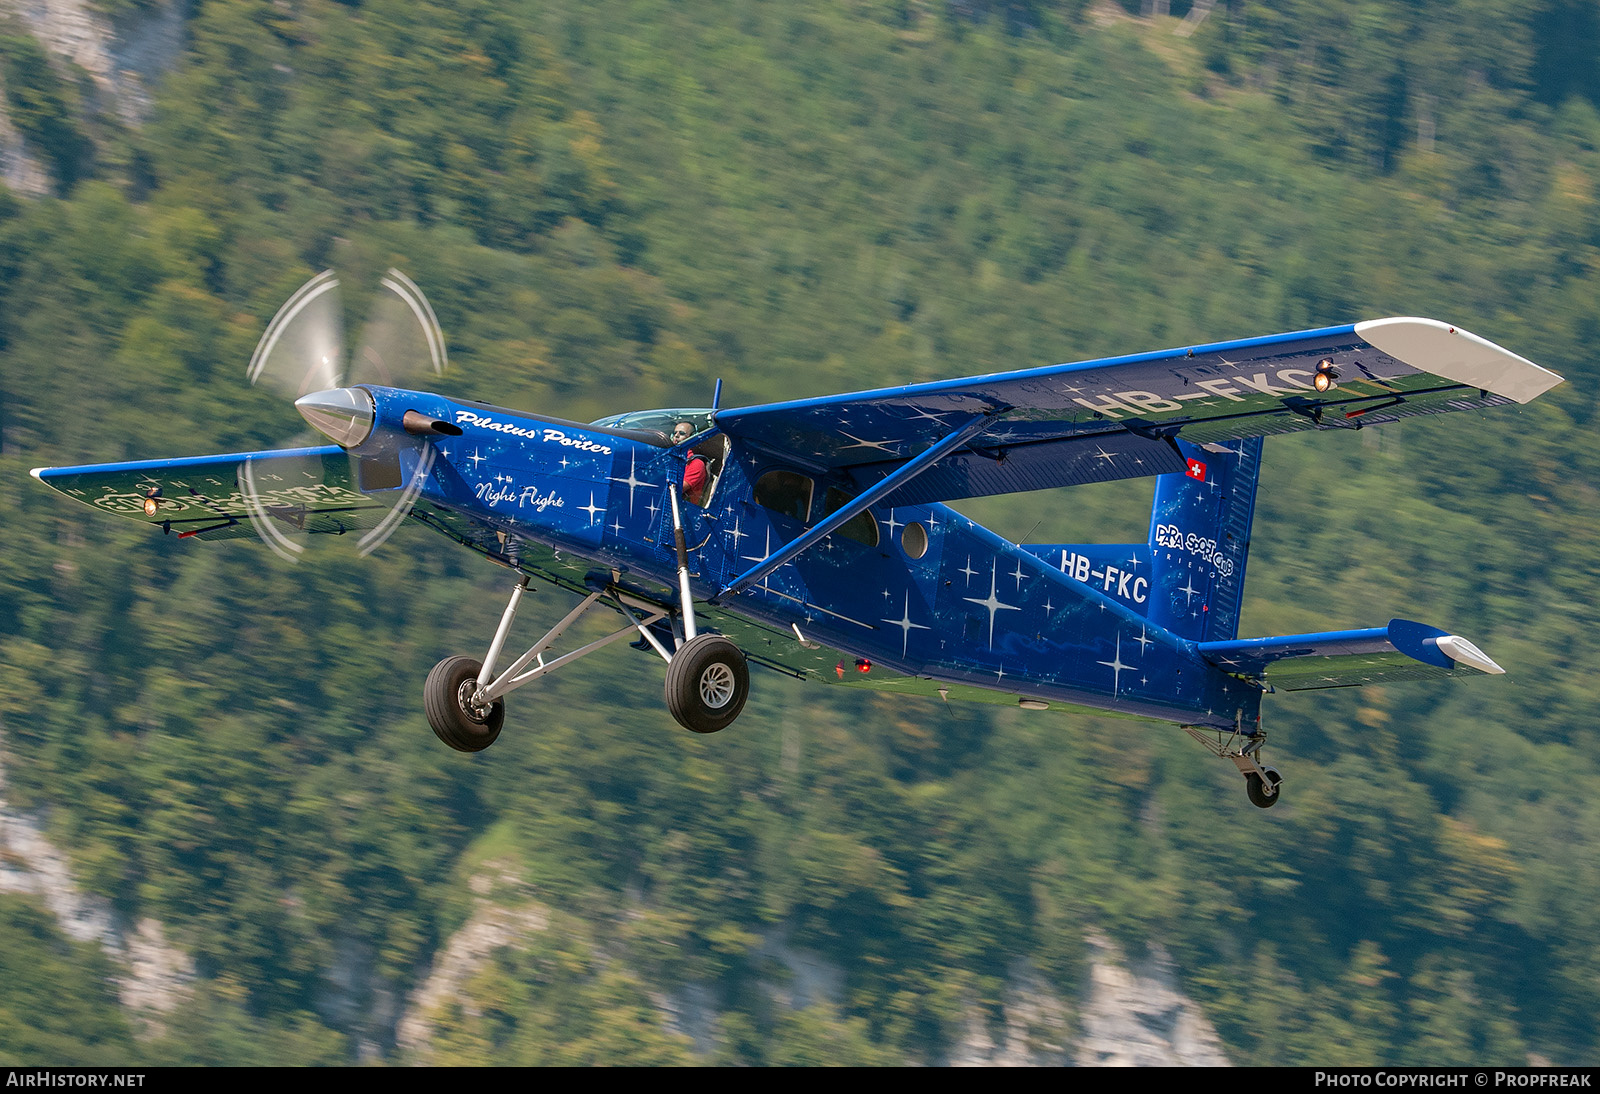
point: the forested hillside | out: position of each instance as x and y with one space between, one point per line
610 205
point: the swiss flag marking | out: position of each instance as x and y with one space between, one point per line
1197 471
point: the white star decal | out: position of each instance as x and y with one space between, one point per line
968 570
476 459
592 509
905 624
993 602
632 480
1116 666
881 445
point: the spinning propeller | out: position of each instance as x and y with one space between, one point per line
301 355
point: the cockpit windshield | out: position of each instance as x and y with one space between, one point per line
667 422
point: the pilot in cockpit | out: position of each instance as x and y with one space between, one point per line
697 472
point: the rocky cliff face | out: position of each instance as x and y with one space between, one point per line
1136 1016
1131 1014
156 975
122 59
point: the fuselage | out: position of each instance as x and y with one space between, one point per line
920 590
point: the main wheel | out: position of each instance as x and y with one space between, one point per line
707 683
1263 795
447 699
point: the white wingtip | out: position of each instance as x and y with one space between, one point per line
1461 651
1458 355
38 473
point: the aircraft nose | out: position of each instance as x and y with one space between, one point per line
343 414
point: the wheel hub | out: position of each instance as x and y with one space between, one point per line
716 686
465 695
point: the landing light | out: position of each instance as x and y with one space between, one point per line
1327 377
152 501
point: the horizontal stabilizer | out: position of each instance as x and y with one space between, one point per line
1340 659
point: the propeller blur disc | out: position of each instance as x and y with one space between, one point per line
300 354
401 343
302 349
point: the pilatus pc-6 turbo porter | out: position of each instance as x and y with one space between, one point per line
810 536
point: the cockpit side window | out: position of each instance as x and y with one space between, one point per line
785 492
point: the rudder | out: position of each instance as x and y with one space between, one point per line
1200 540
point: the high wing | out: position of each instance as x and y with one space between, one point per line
1116 418
304 489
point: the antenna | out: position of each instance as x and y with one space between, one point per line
716 396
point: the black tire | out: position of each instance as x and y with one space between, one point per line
1264 795
444 699
707 683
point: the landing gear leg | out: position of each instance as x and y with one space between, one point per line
1261 784
708 678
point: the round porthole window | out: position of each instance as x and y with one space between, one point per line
914 540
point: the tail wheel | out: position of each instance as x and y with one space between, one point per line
1263 792
447 699
707 683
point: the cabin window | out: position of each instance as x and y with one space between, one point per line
914 540
862 527
785 492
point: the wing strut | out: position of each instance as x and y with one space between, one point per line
855 506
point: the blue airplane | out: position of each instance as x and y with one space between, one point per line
810 537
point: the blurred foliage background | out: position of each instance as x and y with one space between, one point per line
612 204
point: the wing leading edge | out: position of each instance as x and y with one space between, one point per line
1113 418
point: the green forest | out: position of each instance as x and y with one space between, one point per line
612 205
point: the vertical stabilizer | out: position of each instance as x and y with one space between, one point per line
1200 539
